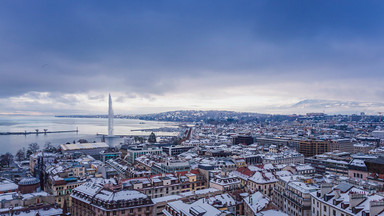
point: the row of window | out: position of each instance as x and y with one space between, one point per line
325 208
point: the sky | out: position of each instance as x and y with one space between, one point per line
282 57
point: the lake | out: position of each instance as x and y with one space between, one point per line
88 128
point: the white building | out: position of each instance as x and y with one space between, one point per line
225 182
255 203
346 200
284 158
199 208
92 149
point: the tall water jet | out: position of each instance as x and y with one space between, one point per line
110 117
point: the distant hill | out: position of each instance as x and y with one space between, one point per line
218 116
187 116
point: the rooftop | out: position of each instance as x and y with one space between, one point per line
79 146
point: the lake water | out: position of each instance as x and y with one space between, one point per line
88 128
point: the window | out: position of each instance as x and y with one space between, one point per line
325 208
334 212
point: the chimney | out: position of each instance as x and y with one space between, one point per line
355 199
376 206
325 188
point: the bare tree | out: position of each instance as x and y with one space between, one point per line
83 141
47 145
29 153
33 147
20 155
6 159
139 139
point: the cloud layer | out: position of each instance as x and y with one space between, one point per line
158 55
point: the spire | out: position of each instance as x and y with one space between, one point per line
110 117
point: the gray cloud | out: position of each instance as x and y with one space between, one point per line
159 48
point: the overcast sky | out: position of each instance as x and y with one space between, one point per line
60 57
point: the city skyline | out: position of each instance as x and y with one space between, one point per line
264 57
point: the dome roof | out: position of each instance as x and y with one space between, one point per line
29 181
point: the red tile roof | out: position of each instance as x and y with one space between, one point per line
245 171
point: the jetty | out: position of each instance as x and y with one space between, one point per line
37 132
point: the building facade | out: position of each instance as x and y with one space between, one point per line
135 152
92 199
293 196
310 148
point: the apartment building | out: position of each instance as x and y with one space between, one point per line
134 152
292 195
310 148
61 188
94 199
283 158
345 200
167 184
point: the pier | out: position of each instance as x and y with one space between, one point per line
37 132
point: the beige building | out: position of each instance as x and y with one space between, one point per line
61 189
225 182
46 158
161 202
93 199
292 195
263 182
167 184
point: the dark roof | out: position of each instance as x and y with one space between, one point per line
379 160
29 181
344 187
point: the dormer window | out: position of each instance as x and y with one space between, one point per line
328 197
356 210
336 202
344 205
